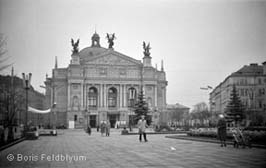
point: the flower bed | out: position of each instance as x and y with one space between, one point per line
256 137
203 132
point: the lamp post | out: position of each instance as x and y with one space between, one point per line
53 102
211 102
55 116
26 85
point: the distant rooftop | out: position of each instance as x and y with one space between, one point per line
252 69
177 106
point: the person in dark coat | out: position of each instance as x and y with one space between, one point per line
221 130
89 130
107 128
103 125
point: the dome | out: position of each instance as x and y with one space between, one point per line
95 40
95 36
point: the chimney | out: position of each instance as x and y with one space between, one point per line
162 68
55 66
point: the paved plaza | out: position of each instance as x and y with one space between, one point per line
74 148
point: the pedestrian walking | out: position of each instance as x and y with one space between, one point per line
142 124
221 130
103 128
108 126
89 129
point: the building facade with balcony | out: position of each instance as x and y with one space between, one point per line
250 82
102 84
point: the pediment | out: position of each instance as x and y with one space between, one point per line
113 58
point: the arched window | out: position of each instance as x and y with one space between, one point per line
132 97
92 97
112 97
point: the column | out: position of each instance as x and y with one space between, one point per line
155 97
104 95
68 95
101 95
85 95
125 96
81 95
120 96
164 96
98 97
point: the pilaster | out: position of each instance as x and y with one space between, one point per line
68 95
155 95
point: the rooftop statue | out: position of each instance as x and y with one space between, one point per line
110 38
146 49
75 46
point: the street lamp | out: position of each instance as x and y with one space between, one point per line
53 89
55 116
26 85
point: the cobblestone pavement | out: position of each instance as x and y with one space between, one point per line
74 148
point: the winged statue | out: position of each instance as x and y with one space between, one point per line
146 49
110 38
75 46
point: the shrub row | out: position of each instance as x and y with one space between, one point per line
257 137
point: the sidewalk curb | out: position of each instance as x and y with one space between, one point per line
210 141
154 133
11 144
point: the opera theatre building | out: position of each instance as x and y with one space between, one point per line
102 84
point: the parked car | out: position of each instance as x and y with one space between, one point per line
51 132
32 133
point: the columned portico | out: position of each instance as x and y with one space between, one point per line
100 84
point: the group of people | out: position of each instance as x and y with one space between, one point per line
142 125
105 128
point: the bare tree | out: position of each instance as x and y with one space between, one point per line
201 112
3 51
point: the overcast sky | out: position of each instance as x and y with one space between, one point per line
201 42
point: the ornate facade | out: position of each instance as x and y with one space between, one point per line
102 84
250 82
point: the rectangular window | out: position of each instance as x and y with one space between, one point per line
111 102
92 101
75 86
75 117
